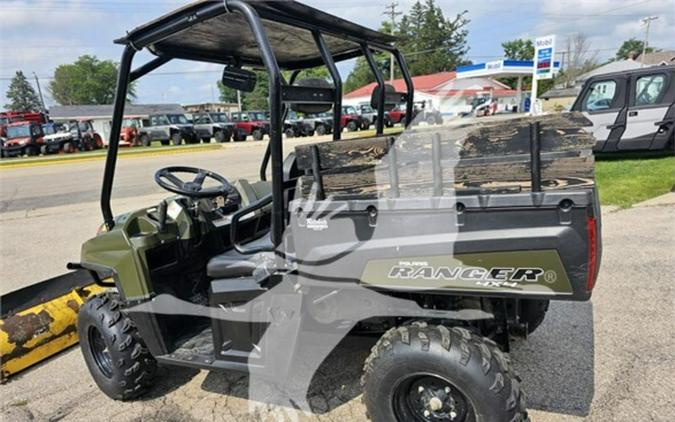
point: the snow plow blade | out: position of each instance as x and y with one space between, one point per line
40 320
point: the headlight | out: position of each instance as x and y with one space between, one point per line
102 229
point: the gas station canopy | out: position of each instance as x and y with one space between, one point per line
499 69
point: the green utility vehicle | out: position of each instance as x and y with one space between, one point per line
445 242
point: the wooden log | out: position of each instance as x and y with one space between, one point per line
487 138
559 171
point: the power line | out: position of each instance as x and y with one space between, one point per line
646 21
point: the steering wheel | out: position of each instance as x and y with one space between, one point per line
193 189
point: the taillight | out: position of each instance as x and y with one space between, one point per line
592 230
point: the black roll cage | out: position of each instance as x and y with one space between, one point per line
279 92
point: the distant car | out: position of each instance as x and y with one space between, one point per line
172 128
134 133
213 125
57 138
369 116
254 123
23 138
321 122
294 126
351 119
631 110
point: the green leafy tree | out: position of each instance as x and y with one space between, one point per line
21 94
518 49
629 46
227 94
433 43
87 81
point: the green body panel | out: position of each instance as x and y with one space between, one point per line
524 272
123 249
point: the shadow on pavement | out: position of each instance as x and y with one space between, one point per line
557 361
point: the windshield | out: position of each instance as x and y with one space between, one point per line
257 116
18 131
219 117
367 109
178 119
348 110
130 123
49 129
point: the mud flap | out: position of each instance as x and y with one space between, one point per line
40 320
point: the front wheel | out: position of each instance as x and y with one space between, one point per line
258 135
434 373
176 139
145 140
352 126
321 130
115 354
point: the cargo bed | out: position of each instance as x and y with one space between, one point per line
504 209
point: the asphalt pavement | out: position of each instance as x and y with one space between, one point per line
610 359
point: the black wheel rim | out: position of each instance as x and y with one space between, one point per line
430 398
99 351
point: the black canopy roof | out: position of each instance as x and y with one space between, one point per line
206 31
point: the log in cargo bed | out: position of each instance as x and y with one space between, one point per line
491 156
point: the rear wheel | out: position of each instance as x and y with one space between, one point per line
431 120
32 151
434 373
239 136
365 125
352 126
220 136
290 133
321 130
533 313
388 122
145 140
176 139
114 352
258 135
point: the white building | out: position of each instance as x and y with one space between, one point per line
444 92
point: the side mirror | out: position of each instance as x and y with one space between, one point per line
391 98
239 79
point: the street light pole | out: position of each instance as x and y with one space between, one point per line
646 21
42 100
392 13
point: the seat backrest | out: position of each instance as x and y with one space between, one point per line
391 98
311 107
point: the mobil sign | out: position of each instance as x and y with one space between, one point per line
544 52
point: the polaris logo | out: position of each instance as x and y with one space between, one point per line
417 270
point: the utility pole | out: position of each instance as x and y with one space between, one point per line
646 21
392 13
42 100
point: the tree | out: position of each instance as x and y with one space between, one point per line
87 81
578 59
518 49
227 94
21 94
430 42
631 46
433 43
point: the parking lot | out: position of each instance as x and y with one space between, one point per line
608 359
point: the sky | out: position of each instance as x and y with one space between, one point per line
38 35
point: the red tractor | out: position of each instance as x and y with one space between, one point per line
22 138
254 123
7 117
133 134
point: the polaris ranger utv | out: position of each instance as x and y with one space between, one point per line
447 242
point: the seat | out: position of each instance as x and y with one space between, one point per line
232 264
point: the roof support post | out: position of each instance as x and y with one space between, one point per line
276 125
410 88
115 129
148 67
380 83
337 82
